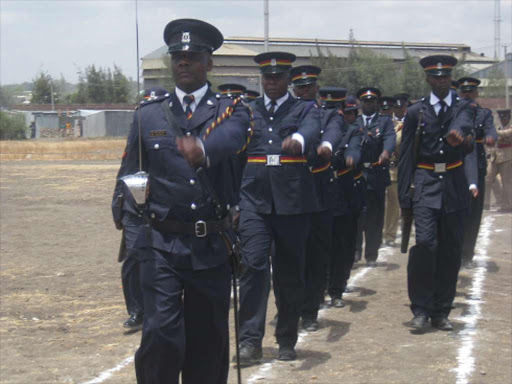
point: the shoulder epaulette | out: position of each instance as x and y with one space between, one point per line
143 103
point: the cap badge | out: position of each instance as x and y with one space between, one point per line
329 97
185 37
273 62
466 82
368 93
384 102
439 66
304 75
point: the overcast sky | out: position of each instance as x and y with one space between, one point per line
61 37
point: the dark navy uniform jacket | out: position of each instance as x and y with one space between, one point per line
383 137
484 126
332 129
348 196
175 192
436 190
286 189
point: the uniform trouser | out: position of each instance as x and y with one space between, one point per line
472 222
342 253
185 323
130 279
374 223
434 261
392 214
318 249
290 234
503 169
130 270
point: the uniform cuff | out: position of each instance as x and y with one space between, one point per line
327 144
472 186
300 139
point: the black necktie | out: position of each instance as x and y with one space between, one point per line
440 115
272 108
188 100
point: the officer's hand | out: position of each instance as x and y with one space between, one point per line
349 161
384 157
119 225
474 192
191 150
454 138
489 141
324 152
291 147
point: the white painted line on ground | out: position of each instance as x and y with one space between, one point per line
108 373
265 370
465 358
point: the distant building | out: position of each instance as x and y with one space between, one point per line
233 62
490 74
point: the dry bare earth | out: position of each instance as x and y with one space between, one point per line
62 305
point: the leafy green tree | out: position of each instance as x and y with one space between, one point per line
121 86
96 90
41 93
12 127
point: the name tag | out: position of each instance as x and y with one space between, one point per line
157 133
440 167
273 160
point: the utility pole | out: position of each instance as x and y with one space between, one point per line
506 78
497 29
265 15
51 94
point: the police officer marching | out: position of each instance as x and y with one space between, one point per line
348 200
484 135
392 210
379 144
276 201
185 271
318 247
433 183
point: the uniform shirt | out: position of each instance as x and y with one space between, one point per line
435 102
198 95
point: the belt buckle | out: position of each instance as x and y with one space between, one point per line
200 228
367 165
439 167
273 160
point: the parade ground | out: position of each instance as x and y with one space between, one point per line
62 306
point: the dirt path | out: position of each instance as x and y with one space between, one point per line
62 306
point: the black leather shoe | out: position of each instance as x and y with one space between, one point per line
310 325
249 354
419 322
287 354
134 322
442 323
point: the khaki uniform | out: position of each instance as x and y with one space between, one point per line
500 163
392 214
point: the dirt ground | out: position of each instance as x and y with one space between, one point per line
62 305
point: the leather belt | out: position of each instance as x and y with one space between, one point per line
343 171
479 141
504 145
370 165
199 228
276 160
440 167
358 176
321 168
